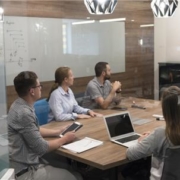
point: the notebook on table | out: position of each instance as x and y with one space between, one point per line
120 129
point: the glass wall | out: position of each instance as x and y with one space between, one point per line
4 160
41 36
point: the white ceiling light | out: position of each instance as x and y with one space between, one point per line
112 20
83 22
100 6
147 25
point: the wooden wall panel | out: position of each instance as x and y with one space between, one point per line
138 79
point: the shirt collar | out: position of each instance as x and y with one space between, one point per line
62 91
100 85
23 102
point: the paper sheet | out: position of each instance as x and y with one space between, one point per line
82 145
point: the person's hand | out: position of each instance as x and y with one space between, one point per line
94 114
83 116
98 115
144 135
64 128
116 86
69 136
91 113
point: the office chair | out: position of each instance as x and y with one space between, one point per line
79 98
171 164
42 109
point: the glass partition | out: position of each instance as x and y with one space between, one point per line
42 35
4 160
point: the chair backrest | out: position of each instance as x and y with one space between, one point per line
171 164
42 111
79 98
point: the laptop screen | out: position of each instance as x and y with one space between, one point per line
119 124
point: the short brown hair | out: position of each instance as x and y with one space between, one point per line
24 81
99 68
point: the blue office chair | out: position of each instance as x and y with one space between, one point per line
42 110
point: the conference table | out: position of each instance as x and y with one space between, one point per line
110 155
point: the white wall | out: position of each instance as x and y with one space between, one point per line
166 43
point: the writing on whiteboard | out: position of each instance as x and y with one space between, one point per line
17 49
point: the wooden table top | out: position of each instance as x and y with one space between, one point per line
110 155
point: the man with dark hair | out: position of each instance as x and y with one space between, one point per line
100 67
100 93
26 142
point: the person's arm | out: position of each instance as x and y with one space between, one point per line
83 113
76 108
55 144
104 103
94 114
30 133
52 132
142 148
78 111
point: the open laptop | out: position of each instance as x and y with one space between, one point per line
120 129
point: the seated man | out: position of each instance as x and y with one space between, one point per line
100 93
26 142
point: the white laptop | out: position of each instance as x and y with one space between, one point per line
120 129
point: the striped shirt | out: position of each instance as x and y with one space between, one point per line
26 145
63 106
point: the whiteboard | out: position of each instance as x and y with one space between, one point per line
44 44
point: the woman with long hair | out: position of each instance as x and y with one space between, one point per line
63 105
158 141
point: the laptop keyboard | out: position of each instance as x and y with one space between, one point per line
127 139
